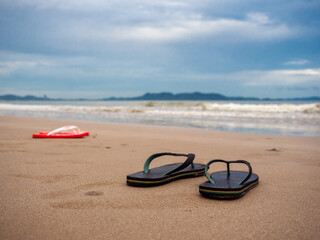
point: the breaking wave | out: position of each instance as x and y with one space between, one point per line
281 118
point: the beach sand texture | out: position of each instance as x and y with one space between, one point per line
76 188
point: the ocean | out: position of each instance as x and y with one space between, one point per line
270 117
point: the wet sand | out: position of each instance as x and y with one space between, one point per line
76 188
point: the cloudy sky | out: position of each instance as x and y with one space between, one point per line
103 48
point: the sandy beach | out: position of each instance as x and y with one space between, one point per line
76 188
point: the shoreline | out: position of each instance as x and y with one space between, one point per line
279 119
160 125
76 188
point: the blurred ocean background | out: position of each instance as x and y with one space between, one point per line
271 117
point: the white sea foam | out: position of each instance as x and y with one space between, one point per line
172 106
283 117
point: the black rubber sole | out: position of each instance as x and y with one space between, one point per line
153 183
226 194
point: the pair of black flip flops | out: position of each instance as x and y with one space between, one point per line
221 185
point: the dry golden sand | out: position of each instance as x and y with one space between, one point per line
76 188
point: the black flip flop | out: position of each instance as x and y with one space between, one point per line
167 173
228 184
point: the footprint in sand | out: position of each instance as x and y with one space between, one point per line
75 190
273 150
94 193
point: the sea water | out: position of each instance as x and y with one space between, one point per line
282 118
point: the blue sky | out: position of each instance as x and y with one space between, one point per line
98 48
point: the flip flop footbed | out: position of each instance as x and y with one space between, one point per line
157 176
60 135
228 187
69 131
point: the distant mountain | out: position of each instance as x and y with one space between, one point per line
12 97
197 96
167 96
163 96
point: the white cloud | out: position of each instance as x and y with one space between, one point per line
297 62
35 64
259 18
282 77
8 67
181 27
86 68
68 67
11 63
96 5
158 21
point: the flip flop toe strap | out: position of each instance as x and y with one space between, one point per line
74 129
228 169
190 158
